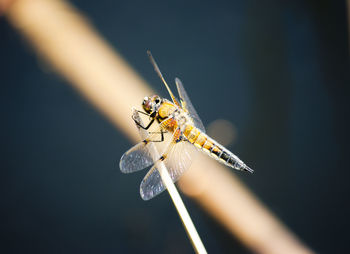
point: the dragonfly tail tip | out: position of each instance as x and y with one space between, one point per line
248 169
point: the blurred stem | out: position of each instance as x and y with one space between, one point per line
68 42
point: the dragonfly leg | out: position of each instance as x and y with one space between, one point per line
161 133
139 124
163 130
161 139
157 132
176 139
139 111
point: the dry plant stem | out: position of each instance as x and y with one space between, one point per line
174 194
181 209
66 40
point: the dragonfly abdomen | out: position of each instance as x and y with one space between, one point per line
213 148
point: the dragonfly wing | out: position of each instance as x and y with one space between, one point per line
187 105
152 184
178 159
140 156
136 158
156 68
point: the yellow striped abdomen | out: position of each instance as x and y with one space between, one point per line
213 148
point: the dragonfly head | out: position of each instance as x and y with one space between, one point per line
151 104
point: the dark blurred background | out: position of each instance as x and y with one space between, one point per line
277 70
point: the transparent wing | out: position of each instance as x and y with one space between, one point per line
136 158
178 159
156 68
139 156
187 105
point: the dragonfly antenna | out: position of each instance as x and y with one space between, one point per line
156 68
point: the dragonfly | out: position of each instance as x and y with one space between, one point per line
177 132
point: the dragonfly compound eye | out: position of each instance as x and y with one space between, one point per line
147 104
